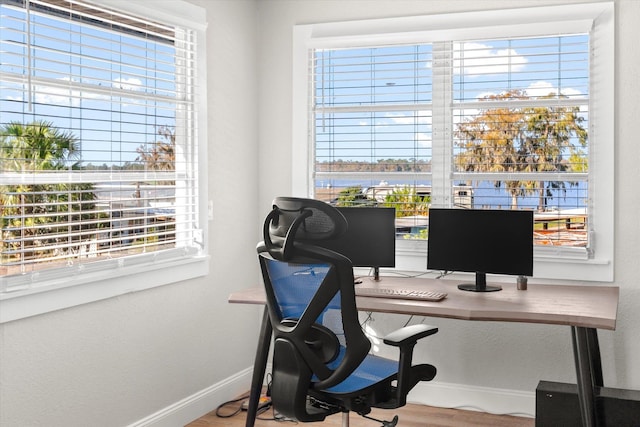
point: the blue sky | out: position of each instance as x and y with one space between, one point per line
104 97
403 75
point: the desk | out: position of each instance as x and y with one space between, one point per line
584 308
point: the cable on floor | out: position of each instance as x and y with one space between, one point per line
235 411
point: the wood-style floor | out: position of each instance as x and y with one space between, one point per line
410 416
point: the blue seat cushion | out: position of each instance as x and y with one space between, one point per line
372 370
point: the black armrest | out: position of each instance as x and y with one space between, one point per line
409 334
405 339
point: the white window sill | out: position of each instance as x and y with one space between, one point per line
411 255
86 288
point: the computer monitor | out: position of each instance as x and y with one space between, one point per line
370 239
480 241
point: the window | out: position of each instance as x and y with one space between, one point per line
481 110
99 144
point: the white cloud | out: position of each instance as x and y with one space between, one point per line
128 84
542 88
69 96
424 140
424 118
478 58
59 94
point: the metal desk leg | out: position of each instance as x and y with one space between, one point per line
594 356
585 373
259 368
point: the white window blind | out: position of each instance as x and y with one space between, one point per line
487 123
98 144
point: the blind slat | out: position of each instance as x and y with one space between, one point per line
81 91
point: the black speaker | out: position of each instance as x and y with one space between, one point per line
557 405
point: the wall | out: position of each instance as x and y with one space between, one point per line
167 355
485 365
161 356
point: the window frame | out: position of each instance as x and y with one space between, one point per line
597 18
120 276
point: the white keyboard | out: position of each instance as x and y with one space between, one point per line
400 293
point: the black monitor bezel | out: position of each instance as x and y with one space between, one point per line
366 244
441 250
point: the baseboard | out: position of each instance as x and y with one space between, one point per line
444 395
483 399
198 404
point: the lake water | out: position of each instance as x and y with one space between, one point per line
485 194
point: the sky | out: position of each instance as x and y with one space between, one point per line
119 89
403 75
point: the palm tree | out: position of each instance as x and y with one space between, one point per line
36 146
32 214
353 196
407 202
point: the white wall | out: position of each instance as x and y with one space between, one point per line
473 356
161 356
149 354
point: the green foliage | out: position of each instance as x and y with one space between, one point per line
578 162
423 234
407 202
382 165
37 216
353 196
36 146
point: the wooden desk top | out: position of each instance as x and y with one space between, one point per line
574 305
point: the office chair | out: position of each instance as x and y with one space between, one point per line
321 361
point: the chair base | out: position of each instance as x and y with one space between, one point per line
392 423
345 419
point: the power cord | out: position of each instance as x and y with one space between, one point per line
221 409
235 411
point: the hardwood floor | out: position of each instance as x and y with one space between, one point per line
410 416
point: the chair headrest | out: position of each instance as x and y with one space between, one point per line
297 219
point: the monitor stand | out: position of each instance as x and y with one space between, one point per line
376 274
480 285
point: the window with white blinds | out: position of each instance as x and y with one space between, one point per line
514 117
98 140
473 110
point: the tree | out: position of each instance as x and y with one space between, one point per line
36 146
353 196
407 202
160 155
381 165
522 139
548 131
37 216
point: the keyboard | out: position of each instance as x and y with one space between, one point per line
400 293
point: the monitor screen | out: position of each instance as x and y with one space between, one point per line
370 239
480 241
